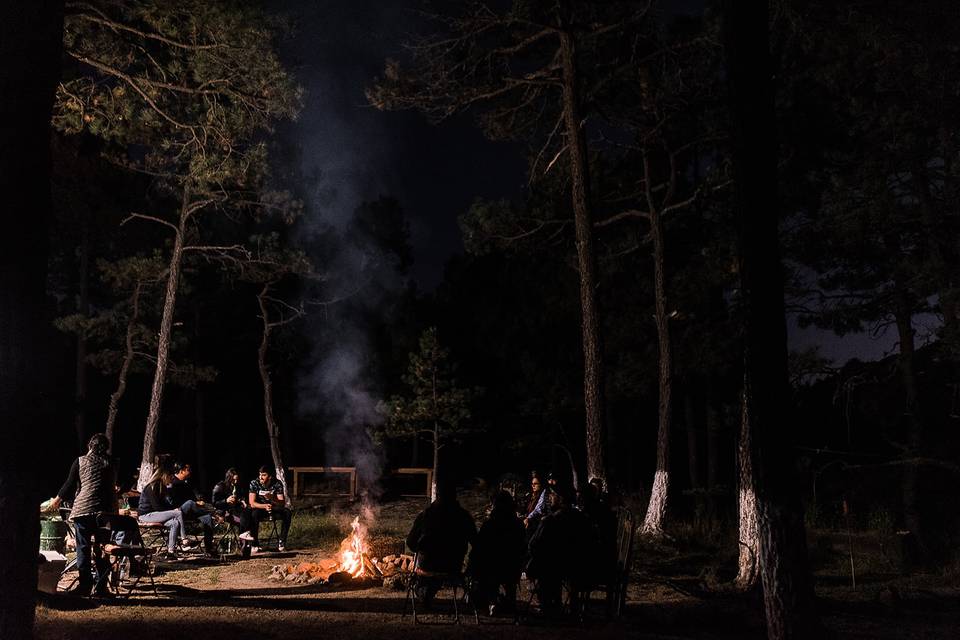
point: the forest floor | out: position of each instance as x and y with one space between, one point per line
669 597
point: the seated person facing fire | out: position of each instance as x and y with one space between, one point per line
440 535
229 503
563 550
497 556
267 501
184 496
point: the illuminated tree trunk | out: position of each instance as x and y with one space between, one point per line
749 538
586 264
273 428
657 507
163 345
128 355
31 35
784 571
83 308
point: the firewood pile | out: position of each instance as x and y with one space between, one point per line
391 569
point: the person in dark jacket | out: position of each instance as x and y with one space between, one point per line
496 558
90 484
155 507
440 535
227 500
563 549
183 495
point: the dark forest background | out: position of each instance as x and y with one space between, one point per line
867 97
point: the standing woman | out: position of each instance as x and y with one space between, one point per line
91 480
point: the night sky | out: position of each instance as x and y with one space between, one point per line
435 172
336 48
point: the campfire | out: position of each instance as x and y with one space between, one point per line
355 554
353 563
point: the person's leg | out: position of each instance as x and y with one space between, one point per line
172 520
286 517
245 520
102 560
256 515
84 527
206 521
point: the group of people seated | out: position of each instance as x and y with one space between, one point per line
563 536
169 499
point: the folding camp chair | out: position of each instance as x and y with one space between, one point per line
615 582
420 578
129 564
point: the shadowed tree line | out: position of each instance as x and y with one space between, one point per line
692 179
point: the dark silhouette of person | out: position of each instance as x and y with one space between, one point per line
440 535
564 549
497 556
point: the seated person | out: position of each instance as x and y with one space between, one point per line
562 550
440 535
122 524
184 496
537 506
228 502
267 501
497 555
154 507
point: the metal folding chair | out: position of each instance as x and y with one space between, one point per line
455 581
130 564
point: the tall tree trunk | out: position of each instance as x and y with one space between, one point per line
83 308
903 316
163 344
586 263
200 414
693 437
657 507
199 407
128 356
436 460
713 438
273 429
784 571
749 538
436 435
31 36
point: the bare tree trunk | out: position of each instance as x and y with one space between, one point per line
128 356
31 36
273 429
436 460
749 538
657 507
693 438
713 439
586 263
163 344
83 308
911 472
784 570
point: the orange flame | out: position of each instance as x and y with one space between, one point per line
353 549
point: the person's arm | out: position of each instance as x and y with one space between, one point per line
69 488
416 532
278 495
252 498
538 510
219 497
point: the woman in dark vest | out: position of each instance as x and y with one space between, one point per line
91 485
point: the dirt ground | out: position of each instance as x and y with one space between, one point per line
216 600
